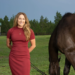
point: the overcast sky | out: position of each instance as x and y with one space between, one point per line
34 9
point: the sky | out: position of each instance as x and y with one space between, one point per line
34 9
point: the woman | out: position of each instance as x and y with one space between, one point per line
20 34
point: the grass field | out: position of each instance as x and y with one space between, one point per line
39 57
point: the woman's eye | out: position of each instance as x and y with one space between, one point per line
19 18
23 19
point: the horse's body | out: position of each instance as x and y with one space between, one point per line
63 39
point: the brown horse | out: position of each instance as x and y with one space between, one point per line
63 40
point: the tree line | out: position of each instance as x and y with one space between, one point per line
43 27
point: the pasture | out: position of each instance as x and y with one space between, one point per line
39 57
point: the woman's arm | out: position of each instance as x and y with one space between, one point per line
8 43
33 45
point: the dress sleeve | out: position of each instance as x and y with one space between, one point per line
9 34
32 36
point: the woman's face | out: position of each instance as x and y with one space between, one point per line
21 20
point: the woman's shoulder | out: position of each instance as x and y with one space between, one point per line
11 29
32 36
31 30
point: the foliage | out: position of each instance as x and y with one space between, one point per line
43 27
11 21
57 18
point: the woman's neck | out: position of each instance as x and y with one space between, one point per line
19 26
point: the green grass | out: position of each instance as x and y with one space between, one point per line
39 57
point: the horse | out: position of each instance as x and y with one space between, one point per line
62 39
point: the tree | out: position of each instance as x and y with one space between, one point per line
57 18
46 25
50 28
43 25
35 26
11 21
5 24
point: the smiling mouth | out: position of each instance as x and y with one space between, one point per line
21 23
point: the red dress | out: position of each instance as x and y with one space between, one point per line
19 57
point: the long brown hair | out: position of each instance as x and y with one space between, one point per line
26 27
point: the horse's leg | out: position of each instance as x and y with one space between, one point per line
67 67
54 63
54 68
70 55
